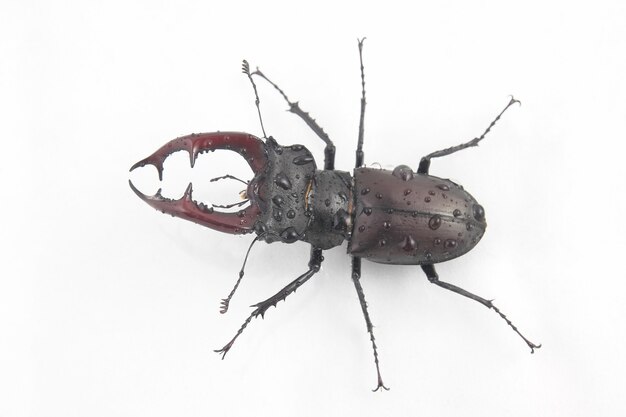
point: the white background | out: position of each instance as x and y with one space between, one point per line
108 307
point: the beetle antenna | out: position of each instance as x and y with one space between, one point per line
230 177
245 68
433 277
226 301
227 206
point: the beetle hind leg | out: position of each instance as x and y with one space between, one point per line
430 272
262 307
356 277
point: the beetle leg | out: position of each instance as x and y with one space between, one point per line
430 272
425 162
356 277
262 307
359 147
329 150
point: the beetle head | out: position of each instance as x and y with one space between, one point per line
283 193
250 147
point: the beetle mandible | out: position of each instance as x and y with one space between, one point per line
393 217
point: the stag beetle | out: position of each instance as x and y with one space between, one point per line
393 217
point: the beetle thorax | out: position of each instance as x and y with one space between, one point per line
281 192
298 202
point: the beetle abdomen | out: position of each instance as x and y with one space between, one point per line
406 218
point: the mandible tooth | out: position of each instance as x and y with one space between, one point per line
188 192
150 161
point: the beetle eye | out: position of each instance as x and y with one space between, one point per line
479 212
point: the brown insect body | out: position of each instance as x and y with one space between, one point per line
405 218
396 217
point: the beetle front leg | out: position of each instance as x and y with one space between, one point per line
425 162
356 277
329 150
262 307
430 272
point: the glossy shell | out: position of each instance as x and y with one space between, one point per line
401 217
281 193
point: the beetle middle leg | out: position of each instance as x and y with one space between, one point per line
261 308
356 278
430 272
359 146
425 162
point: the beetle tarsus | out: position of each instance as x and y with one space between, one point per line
430 272
380 385
223 351
513 100
530 344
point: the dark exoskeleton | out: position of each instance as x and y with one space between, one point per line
393 217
